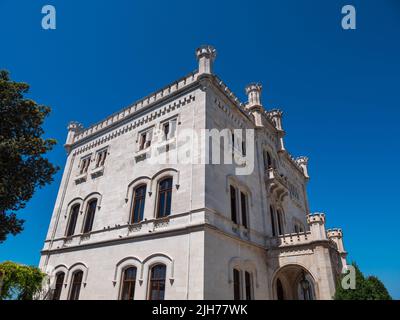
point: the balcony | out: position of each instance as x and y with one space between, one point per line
292 239
276 184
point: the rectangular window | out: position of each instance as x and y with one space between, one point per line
243 203
101 158
84 166
272 213
236 284
248 284
233 204
145 139
169 129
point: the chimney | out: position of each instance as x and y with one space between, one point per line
206 55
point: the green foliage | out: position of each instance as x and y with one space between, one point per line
370 288
19 282
22 165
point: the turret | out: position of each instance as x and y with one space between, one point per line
276 117
206 55
254 105
73 129
336 235
316 222
303 163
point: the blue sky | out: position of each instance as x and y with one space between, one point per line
339 91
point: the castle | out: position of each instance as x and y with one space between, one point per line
126 227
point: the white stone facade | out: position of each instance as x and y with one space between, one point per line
198 242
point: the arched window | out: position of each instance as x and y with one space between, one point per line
272 213
157 282
233 204
128 284
280 222
164 198
279 290
73 217
236 285
76 285
248 285
91 210
268 162
243 203
139 196
59 284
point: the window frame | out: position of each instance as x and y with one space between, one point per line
74 283
58 286
248 285
100 160
273 222
160 193
132 283
244 215
134 200
71 212
84 164
233 203
145 138
85 222
237 290
150 281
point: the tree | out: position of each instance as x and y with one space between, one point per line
370 288
377 290
22 165
19 282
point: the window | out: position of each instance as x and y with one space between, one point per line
157 282
236 284
91 210
280 223
272 213
73 217
279 290
164 198
243 203
59 284
76 285
101 158
145 139
233 141
139 196
233 204
84 166
248 285
128 284
168 129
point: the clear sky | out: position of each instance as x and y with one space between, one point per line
339 91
